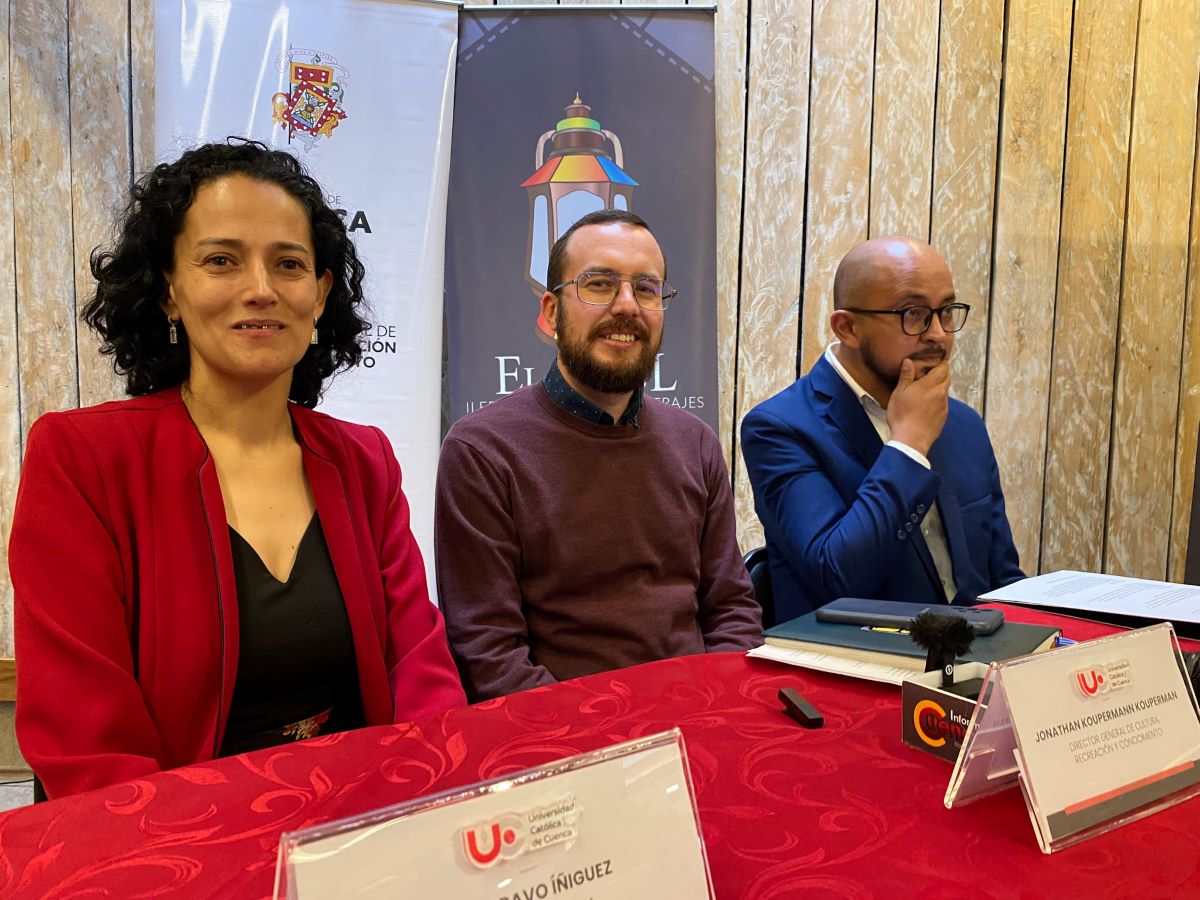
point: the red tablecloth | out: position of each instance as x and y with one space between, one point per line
845 811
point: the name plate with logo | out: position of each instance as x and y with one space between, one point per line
615 823
1097 735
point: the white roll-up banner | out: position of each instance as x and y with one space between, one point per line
361 91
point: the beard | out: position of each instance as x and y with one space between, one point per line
891 379
576 356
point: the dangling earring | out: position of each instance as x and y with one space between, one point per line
556 335
313 339
172 334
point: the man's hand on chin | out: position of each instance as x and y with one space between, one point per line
918 407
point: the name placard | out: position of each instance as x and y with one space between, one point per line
1097 735
619 822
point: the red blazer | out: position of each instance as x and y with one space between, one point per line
125 606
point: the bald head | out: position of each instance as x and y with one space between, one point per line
879 262
877 285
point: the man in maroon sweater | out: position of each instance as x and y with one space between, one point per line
579 529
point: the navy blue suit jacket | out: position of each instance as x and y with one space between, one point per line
842 512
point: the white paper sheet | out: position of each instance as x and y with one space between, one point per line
835 665
1088 591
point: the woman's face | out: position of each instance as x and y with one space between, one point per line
244 282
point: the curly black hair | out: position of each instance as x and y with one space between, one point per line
130 285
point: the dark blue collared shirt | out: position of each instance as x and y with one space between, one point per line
577 405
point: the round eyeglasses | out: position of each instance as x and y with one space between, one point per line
915 320
601 289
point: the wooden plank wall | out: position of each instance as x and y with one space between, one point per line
1047 147
1089 284
10 406
1162 157
1025 255
966 124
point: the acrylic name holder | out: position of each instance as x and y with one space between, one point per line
1097 735
618 822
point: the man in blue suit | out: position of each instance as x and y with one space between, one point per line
870 481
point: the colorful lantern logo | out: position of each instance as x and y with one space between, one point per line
581 173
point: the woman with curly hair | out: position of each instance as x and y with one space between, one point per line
213 567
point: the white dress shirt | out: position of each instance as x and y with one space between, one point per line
931 525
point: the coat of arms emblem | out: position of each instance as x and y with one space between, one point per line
312 107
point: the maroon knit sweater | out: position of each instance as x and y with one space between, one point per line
566 548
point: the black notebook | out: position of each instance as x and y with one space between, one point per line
893 647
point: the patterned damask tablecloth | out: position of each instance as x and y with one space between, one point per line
845 811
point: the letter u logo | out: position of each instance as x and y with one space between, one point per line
1089 682
486 843
482 858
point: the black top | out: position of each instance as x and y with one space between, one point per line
297 675
572 401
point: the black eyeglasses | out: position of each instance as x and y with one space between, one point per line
601 288
915 320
